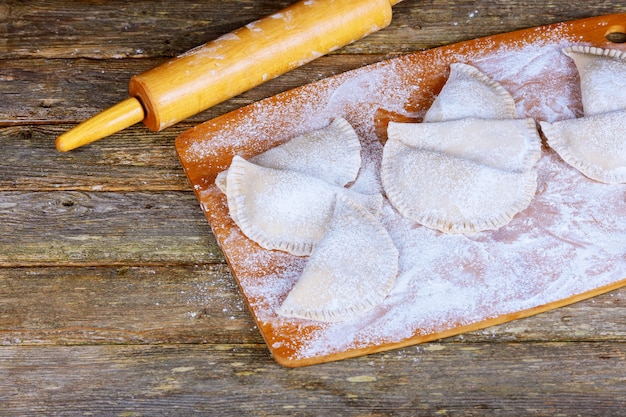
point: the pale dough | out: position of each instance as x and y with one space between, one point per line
469 166
349 272
602 78
594 144
453 194
510 144
332 154
284 210
470 93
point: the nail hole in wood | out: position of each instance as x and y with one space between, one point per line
616 34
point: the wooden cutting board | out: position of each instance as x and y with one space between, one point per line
569 245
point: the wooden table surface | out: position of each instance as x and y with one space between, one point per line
114 296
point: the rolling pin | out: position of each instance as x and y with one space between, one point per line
234 63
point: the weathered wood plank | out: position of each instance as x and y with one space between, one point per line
118 29
135 160
421 25
70 91
114 297
529 379
115 29
100 228
202 304
123 305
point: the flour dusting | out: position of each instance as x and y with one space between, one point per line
570 240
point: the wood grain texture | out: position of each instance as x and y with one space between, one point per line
234 380
114 29
114 296
202 304
123 305
48 228
69 91
133 161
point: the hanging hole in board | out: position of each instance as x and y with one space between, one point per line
616 34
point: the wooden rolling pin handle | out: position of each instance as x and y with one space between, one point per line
237 62
110 121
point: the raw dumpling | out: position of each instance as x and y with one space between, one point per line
461 176
510 144
453 194
469 166
350 271
284 210
602 78
594 145
332 154
470 93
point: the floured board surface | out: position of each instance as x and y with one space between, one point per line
570 244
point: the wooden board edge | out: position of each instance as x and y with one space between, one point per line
420 339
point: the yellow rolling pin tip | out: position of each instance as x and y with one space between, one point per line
110 121
234 63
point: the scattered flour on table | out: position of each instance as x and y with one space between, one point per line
570 240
